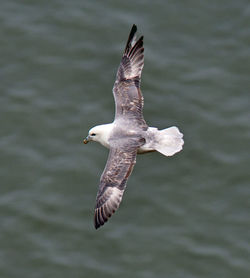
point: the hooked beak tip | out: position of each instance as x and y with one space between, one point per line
85 141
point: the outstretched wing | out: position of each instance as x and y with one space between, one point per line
126 90
118 168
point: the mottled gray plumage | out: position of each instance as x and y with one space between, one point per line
128 97
119 166
123 144
129 133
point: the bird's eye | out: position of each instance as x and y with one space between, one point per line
93 134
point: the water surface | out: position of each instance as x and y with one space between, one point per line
184 216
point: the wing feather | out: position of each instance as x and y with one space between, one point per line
126 90
123 147
118 168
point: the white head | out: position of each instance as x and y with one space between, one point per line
99 133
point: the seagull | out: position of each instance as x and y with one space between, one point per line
128 135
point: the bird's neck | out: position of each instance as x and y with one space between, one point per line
106 131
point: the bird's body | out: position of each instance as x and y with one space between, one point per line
153 137
128 134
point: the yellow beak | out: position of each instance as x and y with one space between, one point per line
86 140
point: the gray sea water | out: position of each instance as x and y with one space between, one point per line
181 217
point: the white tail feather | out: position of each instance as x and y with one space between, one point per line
169 141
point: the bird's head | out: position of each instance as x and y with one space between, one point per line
93 135
99 133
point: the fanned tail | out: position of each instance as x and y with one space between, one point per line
169 141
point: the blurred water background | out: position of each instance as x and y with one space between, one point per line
184 216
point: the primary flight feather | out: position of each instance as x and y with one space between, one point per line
128 134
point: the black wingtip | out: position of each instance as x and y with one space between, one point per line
134 28
130 37
96 222
100 218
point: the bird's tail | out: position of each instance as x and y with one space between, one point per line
169 141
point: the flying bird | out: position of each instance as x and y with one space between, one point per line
128 135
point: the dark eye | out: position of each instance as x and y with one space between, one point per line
93 134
